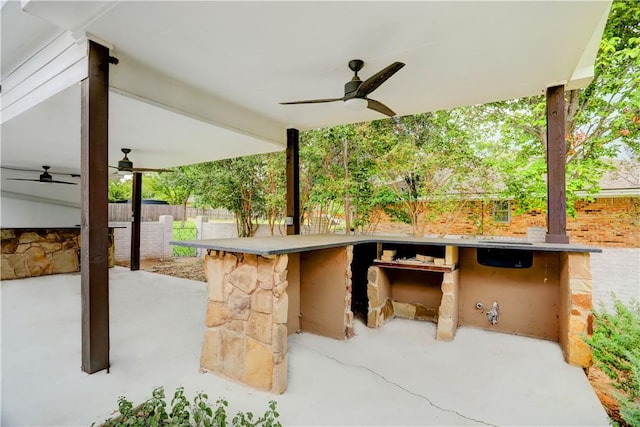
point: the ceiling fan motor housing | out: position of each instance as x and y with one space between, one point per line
352 86
125 164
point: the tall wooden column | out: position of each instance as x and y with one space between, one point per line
556 159
293 180
94 245
136 208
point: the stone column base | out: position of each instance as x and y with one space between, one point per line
246 336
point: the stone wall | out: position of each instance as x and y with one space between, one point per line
382 307
576 320
349 330
38 252
448 314
246 336
379 294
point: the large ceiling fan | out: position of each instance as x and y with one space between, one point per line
44 177
356 91
126 165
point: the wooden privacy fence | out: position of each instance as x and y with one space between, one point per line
121 212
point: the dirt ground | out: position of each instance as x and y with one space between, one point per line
187 268
605 391
193 268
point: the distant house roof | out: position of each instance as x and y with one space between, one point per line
624 181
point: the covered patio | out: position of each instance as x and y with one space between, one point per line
481 378
180 83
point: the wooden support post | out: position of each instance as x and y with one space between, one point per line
293 180
136 210
94 248
556 158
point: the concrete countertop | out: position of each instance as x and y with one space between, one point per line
301 243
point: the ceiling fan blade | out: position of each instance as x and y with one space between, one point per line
53 181
11 168
312 101
148 170
139 169
380 107
373 82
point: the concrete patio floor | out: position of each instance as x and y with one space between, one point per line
397 375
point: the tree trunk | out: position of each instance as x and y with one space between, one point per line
184 212
571 108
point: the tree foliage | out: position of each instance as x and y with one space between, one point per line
274 185
418 168
122 189
616 351
118 190
601 120
176 186
429 166
235 185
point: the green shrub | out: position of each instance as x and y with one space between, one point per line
154 413
616 351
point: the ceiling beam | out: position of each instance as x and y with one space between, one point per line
58 65
135 80
37 199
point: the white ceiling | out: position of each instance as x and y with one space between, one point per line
258 54
203 80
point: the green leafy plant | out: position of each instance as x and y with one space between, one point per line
616 351
154 413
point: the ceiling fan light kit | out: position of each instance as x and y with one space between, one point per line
356 104
356 91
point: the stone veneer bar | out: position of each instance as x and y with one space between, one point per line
248 310
262 289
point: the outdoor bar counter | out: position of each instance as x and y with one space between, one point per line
260 290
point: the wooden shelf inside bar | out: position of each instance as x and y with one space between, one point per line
414 265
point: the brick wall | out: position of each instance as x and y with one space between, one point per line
606 222
154 239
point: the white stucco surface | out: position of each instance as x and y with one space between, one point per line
26 213
397 375
617 271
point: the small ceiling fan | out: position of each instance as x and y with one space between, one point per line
356 91
126 165
44 177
